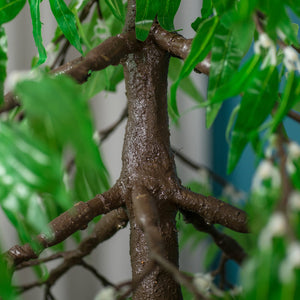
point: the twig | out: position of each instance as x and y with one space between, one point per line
293 115
102 279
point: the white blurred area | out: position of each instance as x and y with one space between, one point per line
112 257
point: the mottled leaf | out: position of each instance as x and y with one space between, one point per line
200 47
37 29
225 60
9 9
66 21
257 103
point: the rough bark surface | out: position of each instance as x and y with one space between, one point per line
149 163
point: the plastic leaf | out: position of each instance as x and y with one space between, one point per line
9 9
28 170
199 50
167 12
256 105
37 29
225 60
3 60
290 97
66 21
63 120
187 85
117 8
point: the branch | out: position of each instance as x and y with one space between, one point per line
76 218
145 210
293 115
227 244
107 226
212 210
178 46
110 52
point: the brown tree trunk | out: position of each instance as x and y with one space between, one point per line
148 163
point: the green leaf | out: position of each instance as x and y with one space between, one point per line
187 85
238 82
225 60
207 9
37 29
222 6
287 27
146 11
3 60
199 49
290 97
7 291
28 170
67 22
9 9
117 8
64 121
256 105
167 12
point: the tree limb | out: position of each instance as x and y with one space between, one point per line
227 244
212 210
110 52
107 226
76 218
178 46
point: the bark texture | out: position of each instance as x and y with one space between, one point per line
148 163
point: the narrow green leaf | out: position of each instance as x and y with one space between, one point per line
3 61
290 97
66 21
146 11
37 29
225 60
207 9
167 12
187 85
256 105
67 110
28 170
287 28
117 8
7 291
200 47
238 82
222 6
9 9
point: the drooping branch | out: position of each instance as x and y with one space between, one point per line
76 218
178 46
227 244
212 210
107 226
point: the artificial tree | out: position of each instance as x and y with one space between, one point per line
48 133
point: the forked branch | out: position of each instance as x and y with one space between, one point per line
76 218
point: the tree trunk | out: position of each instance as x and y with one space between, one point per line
149 163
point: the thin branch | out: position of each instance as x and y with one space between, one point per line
178 46
106 227
227 244
93 270
212 210
76 218
293 115
110 52
217 178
